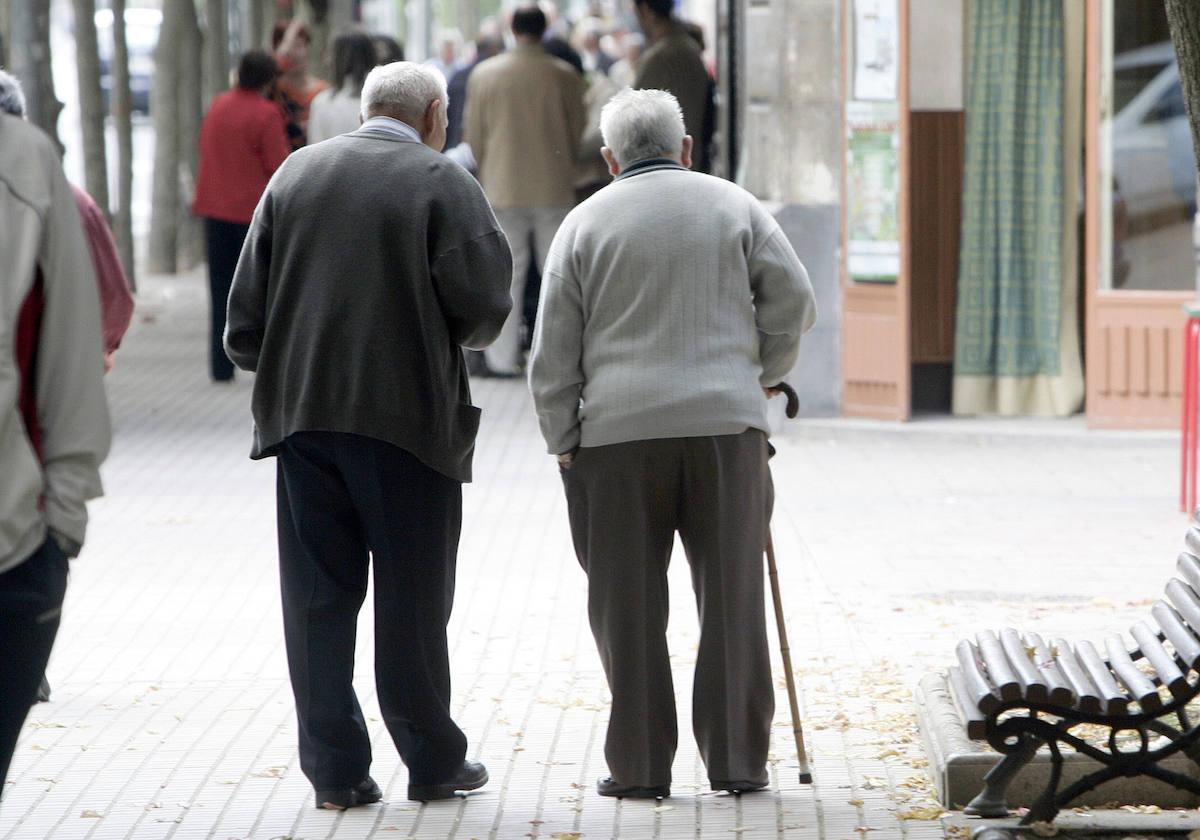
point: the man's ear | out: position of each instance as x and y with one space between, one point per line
432 114
685 153
614 168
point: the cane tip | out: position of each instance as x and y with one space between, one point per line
806 778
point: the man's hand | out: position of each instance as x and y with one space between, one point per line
566 459
110 359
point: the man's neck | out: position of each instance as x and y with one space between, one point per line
660 28
528 41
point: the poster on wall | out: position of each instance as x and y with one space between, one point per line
876 49
873 193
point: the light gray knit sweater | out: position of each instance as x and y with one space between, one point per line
668 300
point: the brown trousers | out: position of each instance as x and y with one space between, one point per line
626 501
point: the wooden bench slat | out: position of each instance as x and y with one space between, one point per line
1137 683
1185 642
1073 669
1186 602
977 688
1113 700
1033 687
1162 661
968 706
999 670
1060 690
1188 566
1192 540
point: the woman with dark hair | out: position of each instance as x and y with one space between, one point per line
295 88
242 142
387 49
335 110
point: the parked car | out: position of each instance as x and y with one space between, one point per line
141 34
1154 163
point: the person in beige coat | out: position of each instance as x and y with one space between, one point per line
525 117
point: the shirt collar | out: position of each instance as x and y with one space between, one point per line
648 165
392 128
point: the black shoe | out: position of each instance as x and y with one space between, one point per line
472 776
608 786
739 787
339 799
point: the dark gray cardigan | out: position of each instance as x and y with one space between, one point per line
369 261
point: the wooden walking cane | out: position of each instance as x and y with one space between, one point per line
793 407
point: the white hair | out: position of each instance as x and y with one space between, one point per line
402 88
12 98
642 124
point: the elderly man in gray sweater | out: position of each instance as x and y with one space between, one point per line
672 304
371 260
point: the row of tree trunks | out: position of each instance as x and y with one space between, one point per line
122 113
91 102
1183 16
29 54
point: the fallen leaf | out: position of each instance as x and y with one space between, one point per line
662 808
1044 829
924 812
857 803
89 814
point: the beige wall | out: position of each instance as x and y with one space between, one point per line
937 78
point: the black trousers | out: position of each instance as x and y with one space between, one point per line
224 241
31 597
345 501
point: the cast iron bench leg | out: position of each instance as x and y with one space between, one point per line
992 800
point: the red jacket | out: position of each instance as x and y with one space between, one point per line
242 142
116 301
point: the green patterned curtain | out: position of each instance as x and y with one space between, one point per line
1009 348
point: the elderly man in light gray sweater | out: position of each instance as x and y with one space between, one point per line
672 303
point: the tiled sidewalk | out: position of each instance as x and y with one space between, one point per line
172 714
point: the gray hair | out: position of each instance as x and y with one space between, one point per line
402 88
12 97
642 124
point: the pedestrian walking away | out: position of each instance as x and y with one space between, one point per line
524 123
371 260
672 303
334 110
242 142
56 431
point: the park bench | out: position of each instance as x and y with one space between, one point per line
1019 693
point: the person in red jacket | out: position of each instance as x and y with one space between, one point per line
242 142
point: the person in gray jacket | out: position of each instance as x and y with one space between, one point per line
672 304
371 261
54 426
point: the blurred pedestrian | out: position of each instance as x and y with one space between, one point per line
371 260
387 49
242 143
588 35
486 46
116 298
448 60
525 117
334 110
593 172
672 303
624 70
673 62
295 89
554 40
57 431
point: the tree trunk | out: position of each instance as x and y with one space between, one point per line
1184 19
216 48
29 52
91 102
165 107
122 107
191 111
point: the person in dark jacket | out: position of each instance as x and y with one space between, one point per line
242 142
485 47
372 259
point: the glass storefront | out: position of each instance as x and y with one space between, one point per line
1149 154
